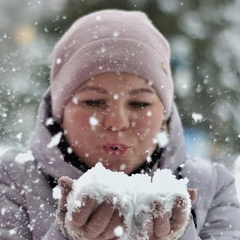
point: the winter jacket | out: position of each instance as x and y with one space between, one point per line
28 207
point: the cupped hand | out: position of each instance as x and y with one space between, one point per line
159 224
90 221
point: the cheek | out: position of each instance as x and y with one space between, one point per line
75 122
148 125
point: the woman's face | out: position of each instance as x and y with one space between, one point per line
113 119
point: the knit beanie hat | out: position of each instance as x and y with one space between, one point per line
110 41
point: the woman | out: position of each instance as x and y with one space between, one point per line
111 94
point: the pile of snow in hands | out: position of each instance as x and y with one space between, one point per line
131 194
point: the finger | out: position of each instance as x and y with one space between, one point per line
193 194
161 221
162 225
145 231
179 214
99 220
115 227
144 223
65 184
150 228
81 215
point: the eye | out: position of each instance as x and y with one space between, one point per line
94 103
141 105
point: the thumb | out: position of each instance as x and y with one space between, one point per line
193 194
65 184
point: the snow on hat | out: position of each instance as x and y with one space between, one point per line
110 41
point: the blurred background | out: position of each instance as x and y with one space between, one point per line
204 37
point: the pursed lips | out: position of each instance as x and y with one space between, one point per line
115 148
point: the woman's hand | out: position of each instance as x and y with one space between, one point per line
91 220
99 221
160 224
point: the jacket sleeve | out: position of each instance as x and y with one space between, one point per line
14 207
54 234
190 232
14 219
14 223
223 218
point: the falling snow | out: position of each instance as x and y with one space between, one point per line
93 122
161 139
49 121
12 232
118 231
24 157
197 117
58 60
55 140
116 34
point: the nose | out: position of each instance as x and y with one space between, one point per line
117 119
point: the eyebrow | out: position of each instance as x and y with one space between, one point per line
94 88
101 90
137 91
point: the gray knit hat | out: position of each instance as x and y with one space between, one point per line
110 41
